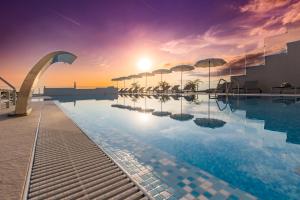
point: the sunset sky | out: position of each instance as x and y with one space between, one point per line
111 36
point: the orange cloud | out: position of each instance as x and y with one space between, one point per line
262 6
293 14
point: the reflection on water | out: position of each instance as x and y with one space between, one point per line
260 108
253 143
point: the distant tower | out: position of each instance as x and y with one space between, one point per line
75 86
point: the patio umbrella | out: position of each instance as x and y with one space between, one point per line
182 116
182 68
123 79
210 62
161 72
134 76
161 113
116 80
146 74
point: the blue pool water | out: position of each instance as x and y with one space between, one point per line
250 143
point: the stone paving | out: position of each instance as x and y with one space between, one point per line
16 141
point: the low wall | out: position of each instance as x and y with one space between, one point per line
75 92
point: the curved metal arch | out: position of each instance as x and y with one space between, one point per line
25 94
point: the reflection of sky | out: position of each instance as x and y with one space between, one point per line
242 152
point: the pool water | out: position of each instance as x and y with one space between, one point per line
193 146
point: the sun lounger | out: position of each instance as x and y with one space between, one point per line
130 90
187 88
135 90
141 90
123 90
164 90
155 89
148 90
284 87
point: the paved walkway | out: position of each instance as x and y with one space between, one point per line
16 142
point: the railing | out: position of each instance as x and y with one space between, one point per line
228 86
7 96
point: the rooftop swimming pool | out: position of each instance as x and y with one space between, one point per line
196 147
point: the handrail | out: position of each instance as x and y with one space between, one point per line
14 95
219 82
7 83
222 109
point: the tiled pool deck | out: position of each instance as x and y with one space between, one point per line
150 168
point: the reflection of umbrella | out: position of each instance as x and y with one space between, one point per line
182 116
136 108
161 72
162 113
209 122
146 74
182 68
147 110
210 62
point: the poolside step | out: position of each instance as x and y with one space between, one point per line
67 165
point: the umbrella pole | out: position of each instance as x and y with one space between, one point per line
181 105
124 84
208 108
209 78
146 81
160 77
181 80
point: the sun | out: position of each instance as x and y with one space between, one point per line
144 64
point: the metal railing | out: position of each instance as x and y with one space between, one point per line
7 96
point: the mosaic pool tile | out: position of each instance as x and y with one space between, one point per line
157 172
150 171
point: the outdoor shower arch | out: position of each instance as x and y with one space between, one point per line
24 96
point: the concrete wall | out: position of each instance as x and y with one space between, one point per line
278 68
73 91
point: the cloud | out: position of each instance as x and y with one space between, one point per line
184 45
256 21
293 14
67 18
262 6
